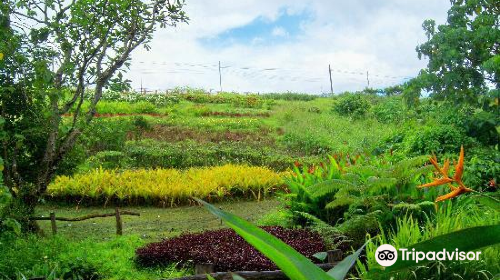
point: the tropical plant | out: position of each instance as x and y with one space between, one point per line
167 186
459 188
338 188
452 217
225 249
298 267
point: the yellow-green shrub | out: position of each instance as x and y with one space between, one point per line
170 186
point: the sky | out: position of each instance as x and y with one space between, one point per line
278 46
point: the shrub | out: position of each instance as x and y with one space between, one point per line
359 226
354 105
439 139
483 170
389 110
225 249
483 127
167 185
106 134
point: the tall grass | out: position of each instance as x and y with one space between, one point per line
449 218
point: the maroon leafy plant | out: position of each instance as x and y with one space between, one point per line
225 249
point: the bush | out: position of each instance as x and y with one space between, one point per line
359 226
389 110
483 127
106 134
354 105
439 139
168 186
225 249
483 170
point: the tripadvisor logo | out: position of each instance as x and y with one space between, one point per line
387 255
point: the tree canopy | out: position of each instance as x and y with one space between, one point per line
53 52
463 53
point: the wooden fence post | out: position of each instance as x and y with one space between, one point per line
334 255
53 222
203 268
119 225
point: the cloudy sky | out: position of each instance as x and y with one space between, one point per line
279 46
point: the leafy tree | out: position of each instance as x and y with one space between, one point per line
464 53
53 52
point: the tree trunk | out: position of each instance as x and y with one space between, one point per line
21 209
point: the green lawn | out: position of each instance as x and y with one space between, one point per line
153 224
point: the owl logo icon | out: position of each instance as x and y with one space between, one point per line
386 255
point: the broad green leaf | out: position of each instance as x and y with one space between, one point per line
342 268
321 256
209 277
291 262
486 201
237 277
469 239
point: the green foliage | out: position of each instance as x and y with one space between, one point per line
355 194
463 52
290 96
450 219
439 139
420 211
59 258
359 226
149 153
390 110
158 99
312 133
354 105
293 264
238 100
449 236
483 127
482 170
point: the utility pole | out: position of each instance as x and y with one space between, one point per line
367 80
220 78
331 84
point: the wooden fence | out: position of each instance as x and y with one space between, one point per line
117 214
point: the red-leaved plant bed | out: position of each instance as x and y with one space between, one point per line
225 249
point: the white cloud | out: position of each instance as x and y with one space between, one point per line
353 36
279 32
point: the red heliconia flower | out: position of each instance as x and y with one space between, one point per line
297 164
445 179
492 183
311 170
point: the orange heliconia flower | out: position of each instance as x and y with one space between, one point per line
445 179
